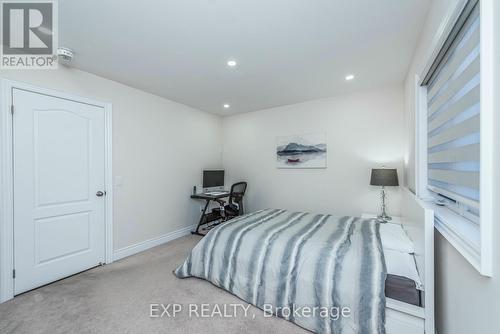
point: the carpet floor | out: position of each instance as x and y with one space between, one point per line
117 298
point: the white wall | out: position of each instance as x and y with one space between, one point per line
159 148
364 130
466 302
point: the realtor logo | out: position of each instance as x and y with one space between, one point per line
29 34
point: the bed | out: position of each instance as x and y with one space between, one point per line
325 273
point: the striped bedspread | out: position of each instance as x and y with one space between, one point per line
307 268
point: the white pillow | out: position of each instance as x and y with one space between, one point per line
402 264
395 238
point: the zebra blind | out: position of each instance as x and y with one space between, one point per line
453 117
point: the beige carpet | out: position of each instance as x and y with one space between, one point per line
116 298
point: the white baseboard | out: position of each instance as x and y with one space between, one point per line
147 244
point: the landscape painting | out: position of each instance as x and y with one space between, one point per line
301 151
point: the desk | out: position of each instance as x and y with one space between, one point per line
205 217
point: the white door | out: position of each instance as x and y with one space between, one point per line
59 227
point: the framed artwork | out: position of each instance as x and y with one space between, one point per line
301 151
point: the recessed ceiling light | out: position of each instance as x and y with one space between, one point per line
349 77
226 106
231 63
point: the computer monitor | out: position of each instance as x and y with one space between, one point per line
213 178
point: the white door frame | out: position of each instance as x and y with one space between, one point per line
6 178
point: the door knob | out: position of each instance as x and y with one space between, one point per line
99 193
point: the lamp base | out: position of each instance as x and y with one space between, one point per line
384 218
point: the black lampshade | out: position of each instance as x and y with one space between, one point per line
384 177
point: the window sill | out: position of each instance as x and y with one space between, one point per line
461 233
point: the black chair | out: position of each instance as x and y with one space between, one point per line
234 206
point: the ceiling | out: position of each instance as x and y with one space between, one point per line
288 51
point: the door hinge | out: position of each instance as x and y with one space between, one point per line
14 273
12 109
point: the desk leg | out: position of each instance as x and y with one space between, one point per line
202 218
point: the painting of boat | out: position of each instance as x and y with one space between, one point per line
301 151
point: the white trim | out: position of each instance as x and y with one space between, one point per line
150 243
7 195
460 234
420 139
487 94
6 178
430 314
108 177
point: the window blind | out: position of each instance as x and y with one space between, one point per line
453 104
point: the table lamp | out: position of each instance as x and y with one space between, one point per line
384 177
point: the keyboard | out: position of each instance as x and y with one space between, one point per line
216 193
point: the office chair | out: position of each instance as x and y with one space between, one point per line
234 206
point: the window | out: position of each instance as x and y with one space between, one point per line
453 122
452 146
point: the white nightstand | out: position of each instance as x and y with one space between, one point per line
395 219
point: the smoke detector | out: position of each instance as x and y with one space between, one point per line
65 54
